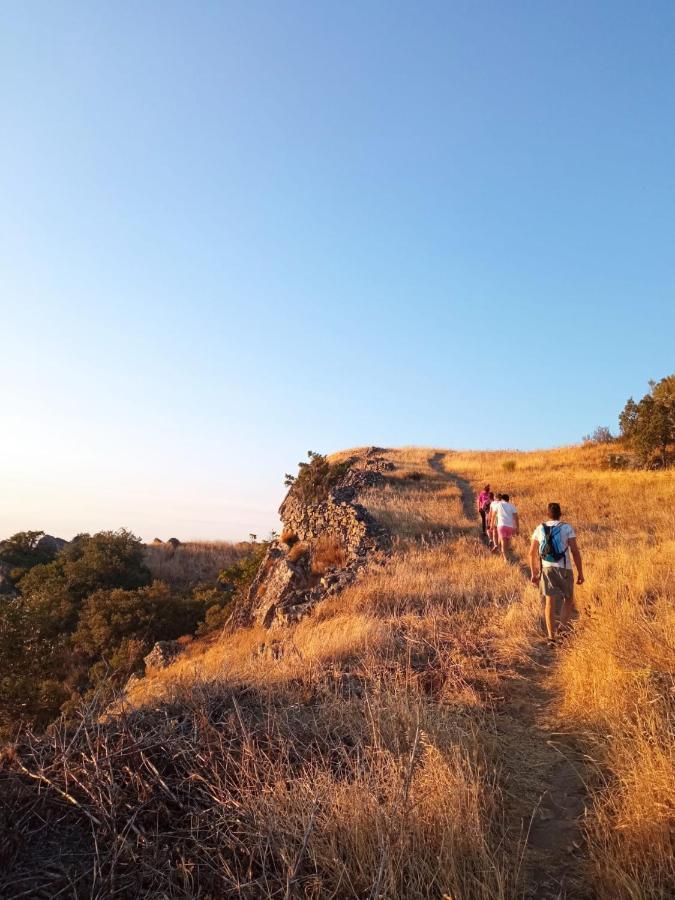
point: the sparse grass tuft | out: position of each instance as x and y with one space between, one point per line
328 553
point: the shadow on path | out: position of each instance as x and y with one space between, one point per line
466 491
540 755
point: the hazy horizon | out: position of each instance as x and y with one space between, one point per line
231 234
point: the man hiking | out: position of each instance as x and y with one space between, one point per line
484 499
506 520
553 542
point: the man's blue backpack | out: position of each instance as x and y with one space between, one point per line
551 548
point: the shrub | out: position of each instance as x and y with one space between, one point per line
297 552
650 424
601 435
316 478
329 553
22 551
509 465
288 537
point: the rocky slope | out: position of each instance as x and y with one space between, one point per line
322 548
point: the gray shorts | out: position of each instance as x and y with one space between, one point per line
556 582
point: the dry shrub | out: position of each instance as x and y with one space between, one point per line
329 552
255 794
288 537
298 551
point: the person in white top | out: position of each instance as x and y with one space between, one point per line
493 538
506 520
554 545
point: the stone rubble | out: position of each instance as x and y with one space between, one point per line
162 654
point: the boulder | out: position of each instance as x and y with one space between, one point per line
50 544
162 654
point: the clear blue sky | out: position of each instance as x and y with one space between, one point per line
232 232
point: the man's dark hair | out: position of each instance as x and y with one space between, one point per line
505 497
554 511
499 496
487 487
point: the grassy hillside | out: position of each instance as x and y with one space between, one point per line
412 737
193 562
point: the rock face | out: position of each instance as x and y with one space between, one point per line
321 550
50 544
163 653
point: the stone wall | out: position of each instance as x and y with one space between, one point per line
294 574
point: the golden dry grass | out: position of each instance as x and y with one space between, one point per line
615 679
416 661
192 562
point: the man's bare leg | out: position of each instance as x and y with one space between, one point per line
550 616
567 611
505 545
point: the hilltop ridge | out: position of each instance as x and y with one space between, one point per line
380 717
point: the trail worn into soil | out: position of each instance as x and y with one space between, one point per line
543 770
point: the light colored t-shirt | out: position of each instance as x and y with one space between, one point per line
566 532
506 514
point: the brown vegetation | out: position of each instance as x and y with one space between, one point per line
402 740
328 553
298 551
196 561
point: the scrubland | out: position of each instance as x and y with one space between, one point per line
398 741
192 562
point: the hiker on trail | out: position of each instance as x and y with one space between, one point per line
553 542
484 499
492 522
506 518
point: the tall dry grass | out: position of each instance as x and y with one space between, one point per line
387 688
193 562
367 751
615 679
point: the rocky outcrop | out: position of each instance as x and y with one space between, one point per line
322 548
162 654
48 544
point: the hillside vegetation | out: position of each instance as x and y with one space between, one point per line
410 737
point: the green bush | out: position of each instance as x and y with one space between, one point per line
601 435
21 552
649 426
316 477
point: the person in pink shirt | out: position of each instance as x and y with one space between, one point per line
484 499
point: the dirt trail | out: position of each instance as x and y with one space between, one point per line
544 770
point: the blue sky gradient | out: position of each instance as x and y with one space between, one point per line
232 232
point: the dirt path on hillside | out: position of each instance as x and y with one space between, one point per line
465 489
544 771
